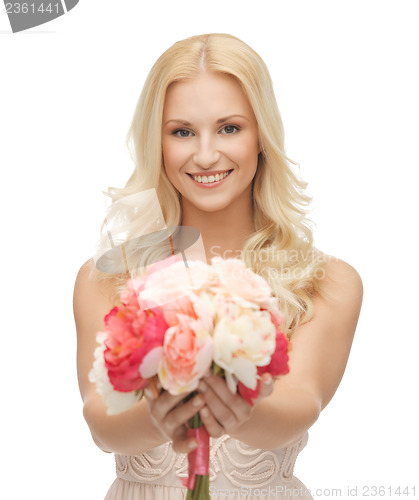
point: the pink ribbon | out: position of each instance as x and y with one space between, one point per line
198 459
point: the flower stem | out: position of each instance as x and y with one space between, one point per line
195 421
201 489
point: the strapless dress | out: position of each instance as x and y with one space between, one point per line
237 472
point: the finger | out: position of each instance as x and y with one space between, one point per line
152 384
165 403
149 394
224 413
180 415
266 387
181 443
214 428
234 402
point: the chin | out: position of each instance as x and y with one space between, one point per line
213 207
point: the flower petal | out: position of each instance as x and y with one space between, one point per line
150 363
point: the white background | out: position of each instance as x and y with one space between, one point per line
345 76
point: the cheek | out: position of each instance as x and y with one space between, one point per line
244 153
174 155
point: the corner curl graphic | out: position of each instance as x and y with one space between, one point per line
30 13
131 248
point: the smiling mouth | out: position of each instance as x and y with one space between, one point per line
209 179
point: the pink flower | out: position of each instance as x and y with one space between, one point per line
247 287
135 286
200 315
187 350
172 282
132 334
129 297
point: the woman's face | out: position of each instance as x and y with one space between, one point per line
209 129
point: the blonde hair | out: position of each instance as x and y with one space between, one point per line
281 249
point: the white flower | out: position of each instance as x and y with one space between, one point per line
243 344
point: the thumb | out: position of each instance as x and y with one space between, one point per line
180 441
184 445
266 386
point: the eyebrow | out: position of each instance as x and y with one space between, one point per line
220 120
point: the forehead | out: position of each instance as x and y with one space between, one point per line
208 93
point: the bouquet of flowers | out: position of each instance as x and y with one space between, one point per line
172 330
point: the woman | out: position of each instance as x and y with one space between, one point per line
208 137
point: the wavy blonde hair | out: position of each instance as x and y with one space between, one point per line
281 249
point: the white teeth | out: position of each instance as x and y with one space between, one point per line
211 178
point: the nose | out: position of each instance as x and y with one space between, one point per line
206 153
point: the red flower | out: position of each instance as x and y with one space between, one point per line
132 334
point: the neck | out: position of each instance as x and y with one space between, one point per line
223 232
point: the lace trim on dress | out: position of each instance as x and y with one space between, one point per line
145 467
237 462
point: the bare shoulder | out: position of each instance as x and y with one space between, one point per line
85 279
339 267
92 300
340 304
342 281
88 289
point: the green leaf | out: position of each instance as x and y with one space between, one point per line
218 370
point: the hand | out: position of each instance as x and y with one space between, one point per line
224 411
170 417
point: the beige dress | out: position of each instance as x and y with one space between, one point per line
237 472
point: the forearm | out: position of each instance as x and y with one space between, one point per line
279 420
129 433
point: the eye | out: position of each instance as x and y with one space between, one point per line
181 132
230 129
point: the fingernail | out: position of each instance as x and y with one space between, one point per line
192 445
148 393
197 401
204 412
202 386
267 379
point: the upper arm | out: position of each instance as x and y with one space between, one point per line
320 347
91 302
